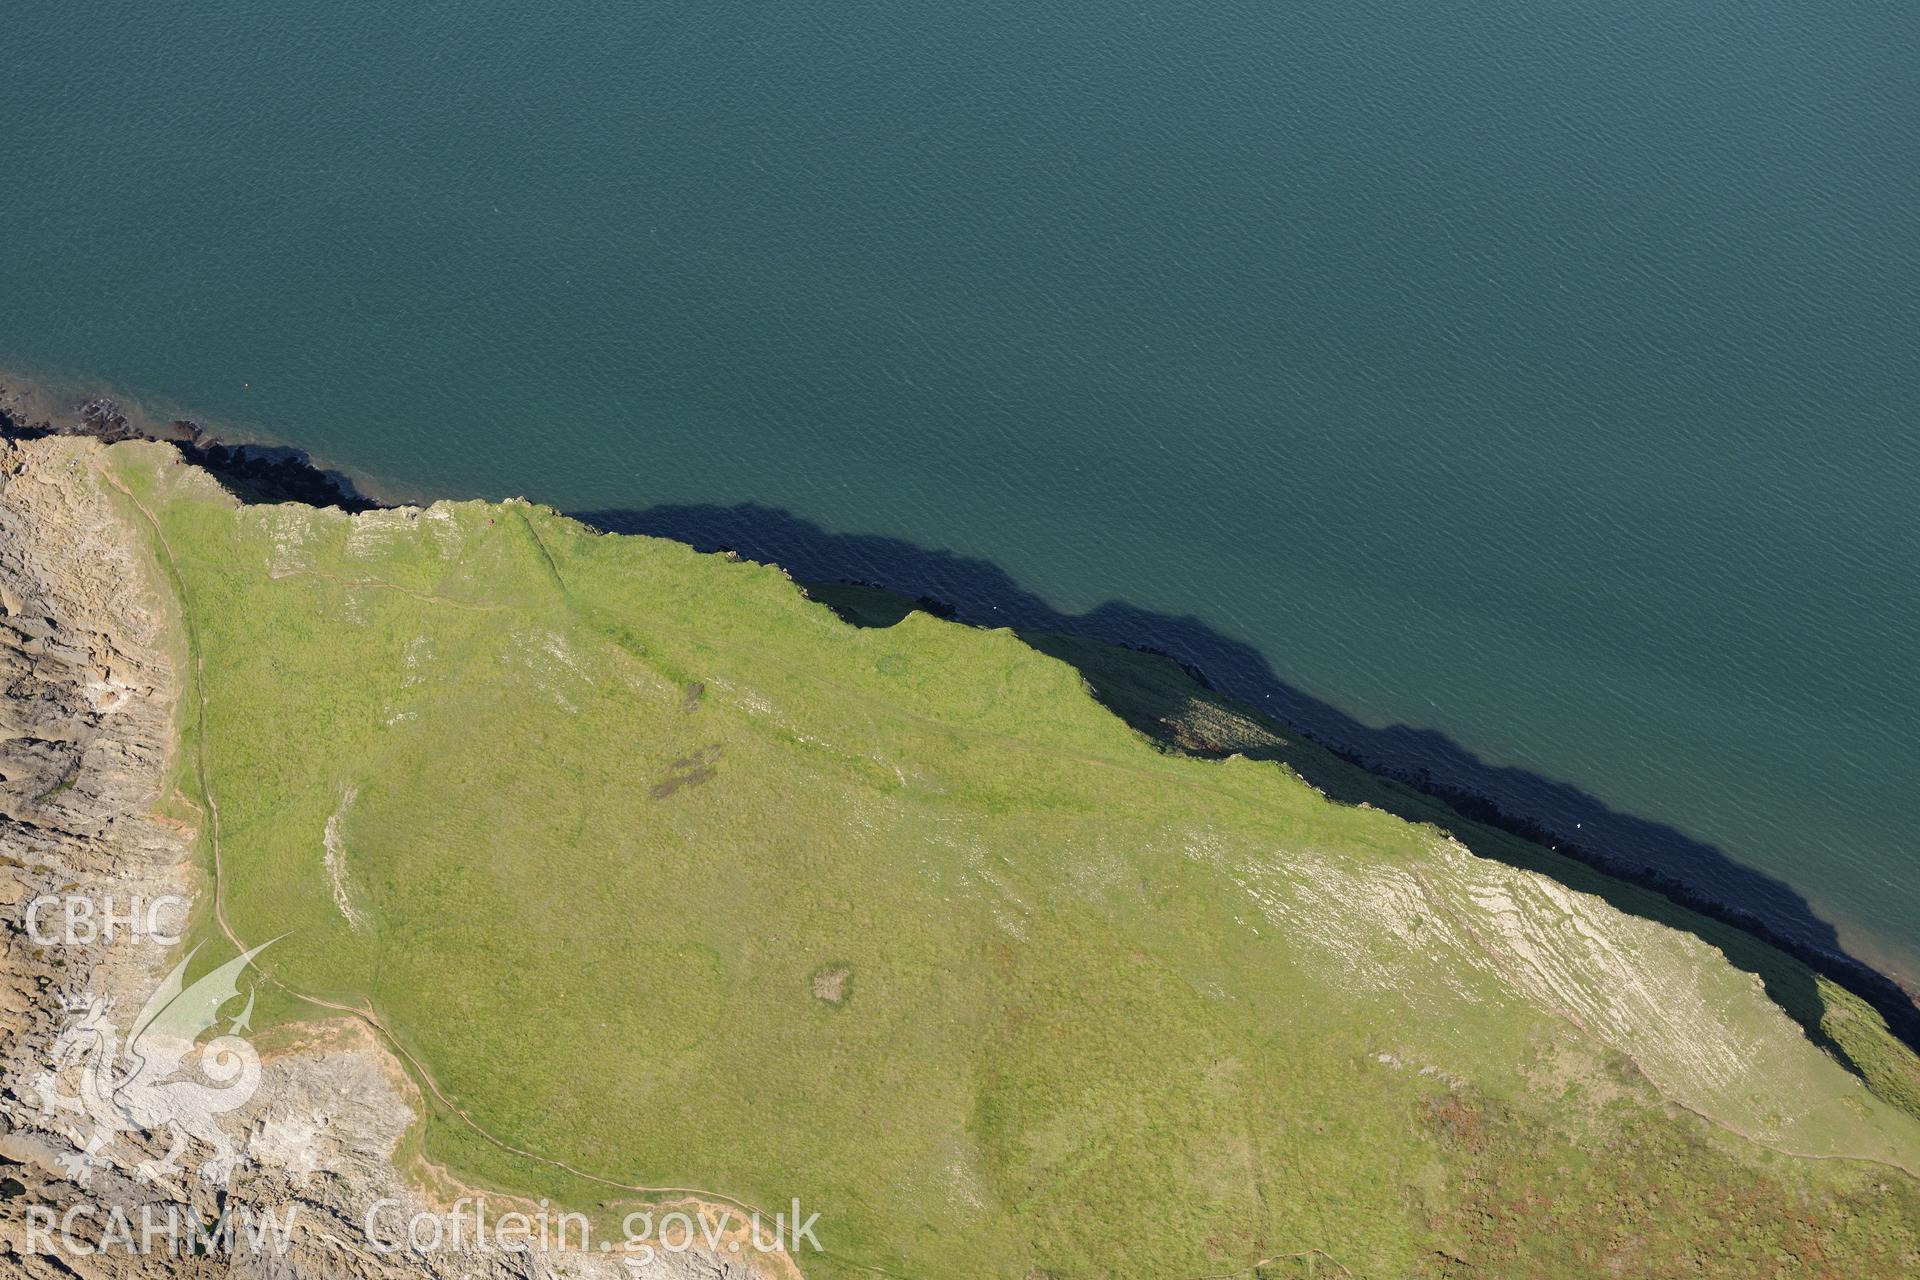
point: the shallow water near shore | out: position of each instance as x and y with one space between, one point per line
1542 376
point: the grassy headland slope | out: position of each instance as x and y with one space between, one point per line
662 870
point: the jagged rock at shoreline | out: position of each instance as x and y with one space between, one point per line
89 700
266 475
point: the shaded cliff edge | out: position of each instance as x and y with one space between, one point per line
1859 1015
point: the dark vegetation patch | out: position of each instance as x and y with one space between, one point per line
687 771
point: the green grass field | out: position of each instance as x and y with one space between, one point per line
589 820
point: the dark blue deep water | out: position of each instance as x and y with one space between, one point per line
1537 375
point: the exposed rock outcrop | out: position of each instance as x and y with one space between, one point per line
90 706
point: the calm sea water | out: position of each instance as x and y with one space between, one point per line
1540 375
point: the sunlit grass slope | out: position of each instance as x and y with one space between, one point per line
589 820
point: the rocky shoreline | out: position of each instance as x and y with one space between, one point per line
256 474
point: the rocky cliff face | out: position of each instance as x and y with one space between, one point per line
90 705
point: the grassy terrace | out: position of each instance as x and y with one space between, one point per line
660 869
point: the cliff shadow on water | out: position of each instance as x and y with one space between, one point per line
1640 866
252 472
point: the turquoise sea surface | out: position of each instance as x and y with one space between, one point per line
1525 392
